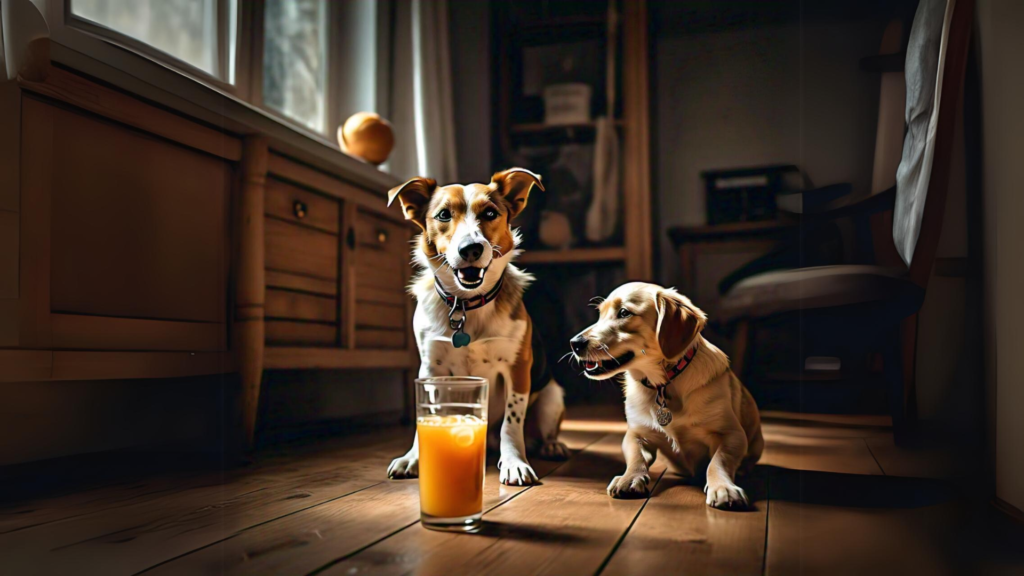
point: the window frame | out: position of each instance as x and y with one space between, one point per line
88 27
110 46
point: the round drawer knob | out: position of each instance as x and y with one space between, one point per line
300 209
382 236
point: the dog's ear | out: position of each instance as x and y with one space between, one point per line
414 196
679 322
515 185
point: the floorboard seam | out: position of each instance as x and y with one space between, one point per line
256 525
407 526
615 547
767 515
872 452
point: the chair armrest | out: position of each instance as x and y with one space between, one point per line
846 206
810 201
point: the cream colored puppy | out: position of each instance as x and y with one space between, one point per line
682 399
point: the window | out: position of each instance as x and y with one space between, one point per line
199 33
295 60
309 62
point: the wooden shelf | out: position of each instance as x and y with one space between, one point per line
541 128
573 256
561 30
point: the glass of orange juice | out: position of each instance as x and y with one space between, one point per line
451 422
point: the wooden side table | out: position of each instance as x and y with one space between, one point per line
692 241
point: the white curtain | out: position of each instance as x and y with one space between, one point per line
421 92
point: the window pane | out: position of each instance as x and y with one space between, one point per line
294 60
185 29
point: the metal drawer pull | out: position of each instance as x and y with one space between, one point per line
382 236
300 209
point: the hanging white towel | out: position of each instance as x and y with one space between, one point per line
602 216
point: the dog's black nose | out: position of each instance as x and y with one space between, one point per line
471 252
578 345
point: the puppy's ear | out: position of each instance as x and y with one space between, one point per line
414 196
679 322
515 185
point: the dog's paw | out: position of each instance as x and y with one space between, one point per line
554 450
404 467
516 472
723 496
630 486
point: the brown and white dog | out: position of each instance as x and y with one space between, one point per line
466 249
682 399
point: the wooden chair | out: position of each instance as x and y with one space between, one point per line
874 303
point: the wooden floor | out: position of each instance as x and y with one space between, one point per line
833 496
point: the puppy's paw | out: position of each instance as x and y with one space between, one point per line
554 450
514 471
404 467
724 496
630 486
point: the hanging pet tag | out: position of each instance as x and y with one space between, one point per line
459 338
662 413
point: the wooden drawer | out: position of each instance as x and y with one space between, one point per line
297 206
381 266
377 233
300 250
293 305
286 333
284 280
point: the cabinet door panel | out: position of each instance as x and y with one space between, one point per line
139 225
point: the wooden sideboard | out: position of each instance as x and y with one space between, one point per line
136 242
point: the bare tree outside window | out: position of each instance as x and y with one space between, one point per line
184 29
294 60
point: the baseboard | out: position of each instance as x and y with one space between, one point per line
320 428
1009 509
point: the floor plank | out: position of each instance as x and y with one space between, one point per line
134 537
826 523
132 487
305 541
567 526
920 463
678 529
807 450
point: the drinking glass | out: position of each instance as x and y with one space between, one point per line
451 421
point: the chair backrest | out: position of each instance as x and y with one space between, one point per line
892 98
936 61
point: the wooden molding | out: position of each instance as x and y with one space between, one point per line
250 287
78 91
89 365
25 365
108 333
636 161
332 358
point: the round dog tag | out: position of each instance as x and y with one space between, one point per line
460 339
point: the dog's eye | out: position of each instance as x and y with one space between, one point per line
489 214
445 215
623 313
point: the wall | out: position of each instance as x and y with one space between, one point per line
1002 88
789 91
41 420
469 26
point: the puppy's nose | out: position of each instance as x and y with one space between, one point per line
578 345
471 252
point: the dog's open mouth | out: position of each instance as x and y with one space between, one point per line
595 368
470 276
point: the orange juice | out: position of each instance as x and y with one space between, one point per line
452 454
